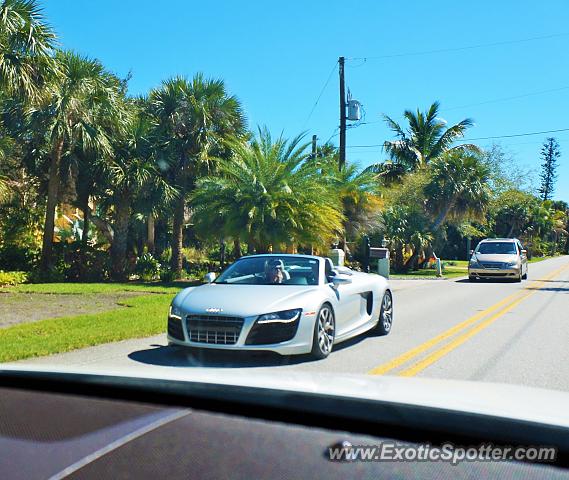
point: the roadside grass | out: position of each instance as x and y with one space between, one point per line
540 259
144 316
135 317
459 269
79 288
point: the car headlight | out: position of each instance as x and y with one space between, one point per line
473 263
285 316
175 312
513 263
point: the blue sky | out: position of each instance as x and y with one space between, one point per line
276 57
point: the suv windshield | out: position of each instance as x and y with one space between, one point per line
500 248
272 271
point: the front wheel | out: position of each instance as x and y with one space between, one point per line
324 331
386 314
525 275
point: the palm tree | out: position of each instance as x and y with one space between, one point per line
426 138
513 211
70 114
357 191
269 195
131 169
195 118
459 187
26 44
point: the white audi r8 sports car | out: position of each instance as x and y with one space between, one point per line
289 304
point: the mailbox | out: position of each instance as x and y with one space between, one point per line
375 252
382 255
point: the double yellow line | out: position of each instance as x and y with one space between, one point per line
498 310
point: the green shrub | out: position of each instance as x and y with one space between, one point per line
147 267
12 278
18 258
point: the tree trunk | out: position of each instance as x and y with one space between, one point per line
150 233
86 221
52 192
511 230
236 248
118 247
178 236
442 216
222 250
84 205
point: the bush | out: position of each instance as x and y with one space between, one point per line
18 258
147 267
88 264
12 278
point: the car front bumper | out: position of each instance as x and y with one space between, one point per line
480 272
301 343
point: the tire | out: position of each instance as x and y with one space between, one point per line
324 332
525 275
472 279
385 315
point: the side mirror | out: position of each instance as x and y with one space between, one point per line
524 252
209 277
471 252
341 279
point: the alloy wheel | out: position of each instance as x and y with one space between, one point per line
326 330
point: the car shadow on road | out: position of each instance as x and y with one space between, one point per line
485 280
169 356
172 356
550 289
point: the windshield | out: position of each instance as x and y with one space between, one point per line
272 271
500 248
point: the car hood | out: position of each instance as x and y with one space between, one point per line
494 257
243 300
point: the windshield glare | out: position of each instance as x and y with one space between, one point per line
271 271
499 248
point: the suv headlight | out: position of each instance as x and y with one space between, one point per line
513 263
285 316
175 312
473 262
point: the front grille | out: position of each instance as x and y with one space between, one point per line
214 329
493 265
175 329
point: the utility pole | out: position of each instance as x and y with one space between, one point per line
342 160
314 138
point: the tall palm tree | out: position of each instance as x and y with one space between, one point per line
71 113
26 44
194 118
459 187
426 138
269 194
131 169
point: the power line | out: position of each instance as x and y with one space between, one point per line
495 100
479 138
516 135
503 99
320 95
458 49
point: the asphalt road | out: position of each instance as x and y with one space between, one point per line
453 329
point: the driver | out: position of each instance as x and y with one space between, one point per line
276 272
